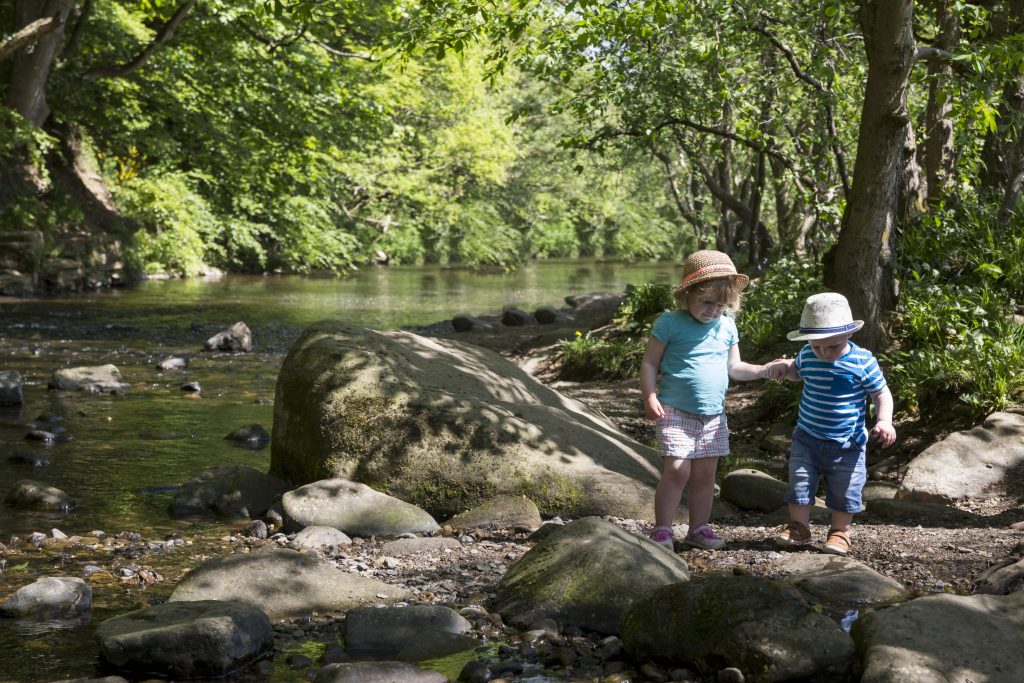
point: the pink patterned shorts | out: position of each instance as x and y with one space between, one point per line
685 435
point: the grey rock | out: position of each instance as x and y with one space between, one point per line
377 672
232 491
200 639
33 495
585 574
467 323
383 633
253 435
52 597
11 388
173 363
237 338
941 638
514 317
500 512
96 379
317 537
1002 579
283 583
966 464
353 508
750 489
548 315
840 581
441 420
415 546
748 622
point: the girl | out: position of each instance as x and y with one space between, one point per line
695 348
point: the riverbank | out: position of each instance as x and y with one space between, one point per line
129 569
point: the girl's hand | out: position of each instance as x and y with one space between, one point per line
653 409
885 432
777 369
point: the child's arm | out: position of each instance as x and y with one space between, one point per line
745 372
883 418
649 378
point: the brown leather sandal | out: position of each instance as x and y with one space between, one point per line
838 542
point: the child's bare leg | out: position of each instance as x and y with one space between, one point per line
801 513
702 490
842 520
674 474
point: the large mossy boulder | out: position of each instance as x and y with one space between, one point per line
445 425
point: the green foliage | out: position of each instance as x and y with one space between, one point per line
641 305
177 223
958 341
774 301
589 357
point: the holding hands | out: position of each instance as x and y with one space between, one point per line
777 369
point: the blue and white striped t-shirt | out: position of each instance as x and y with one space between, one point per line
833 403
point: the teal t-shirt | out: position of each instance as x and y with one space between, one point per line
695 366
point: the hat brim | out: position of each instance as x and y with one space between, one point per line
796 335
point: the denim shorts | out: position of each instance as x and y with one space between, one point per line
843 466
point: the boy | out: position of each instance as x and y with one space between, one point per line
830 439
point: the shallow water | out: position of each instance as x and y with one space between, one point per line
127 453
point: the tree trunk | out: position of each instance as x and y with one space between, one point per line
860 264
26 93
938 146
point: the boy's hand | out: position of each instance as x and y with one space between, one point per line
885 432
653 409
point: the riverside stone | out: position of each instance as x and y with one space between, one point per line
283 583
11 388
96 379
33 495
966 464
253 435
943 638
377 672
750 489
585 574
199 639
52 597
840 581
384 632
500 512
237 338
762 627
445 425
232 491
353 508
316 537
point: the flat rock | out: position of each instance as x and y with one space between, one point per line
283 584
353 508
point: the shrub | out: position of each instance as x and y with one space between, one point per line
773 302
590 357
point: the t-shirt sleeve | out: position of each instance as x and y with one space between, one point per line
872 380
732 334
662 328
799 360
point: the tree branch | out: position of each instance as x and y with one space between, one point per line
165 34
28 35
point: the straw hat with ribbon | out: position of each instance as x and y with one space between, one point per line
825 315
709 265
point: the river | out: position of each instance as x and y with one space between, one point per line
122 455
